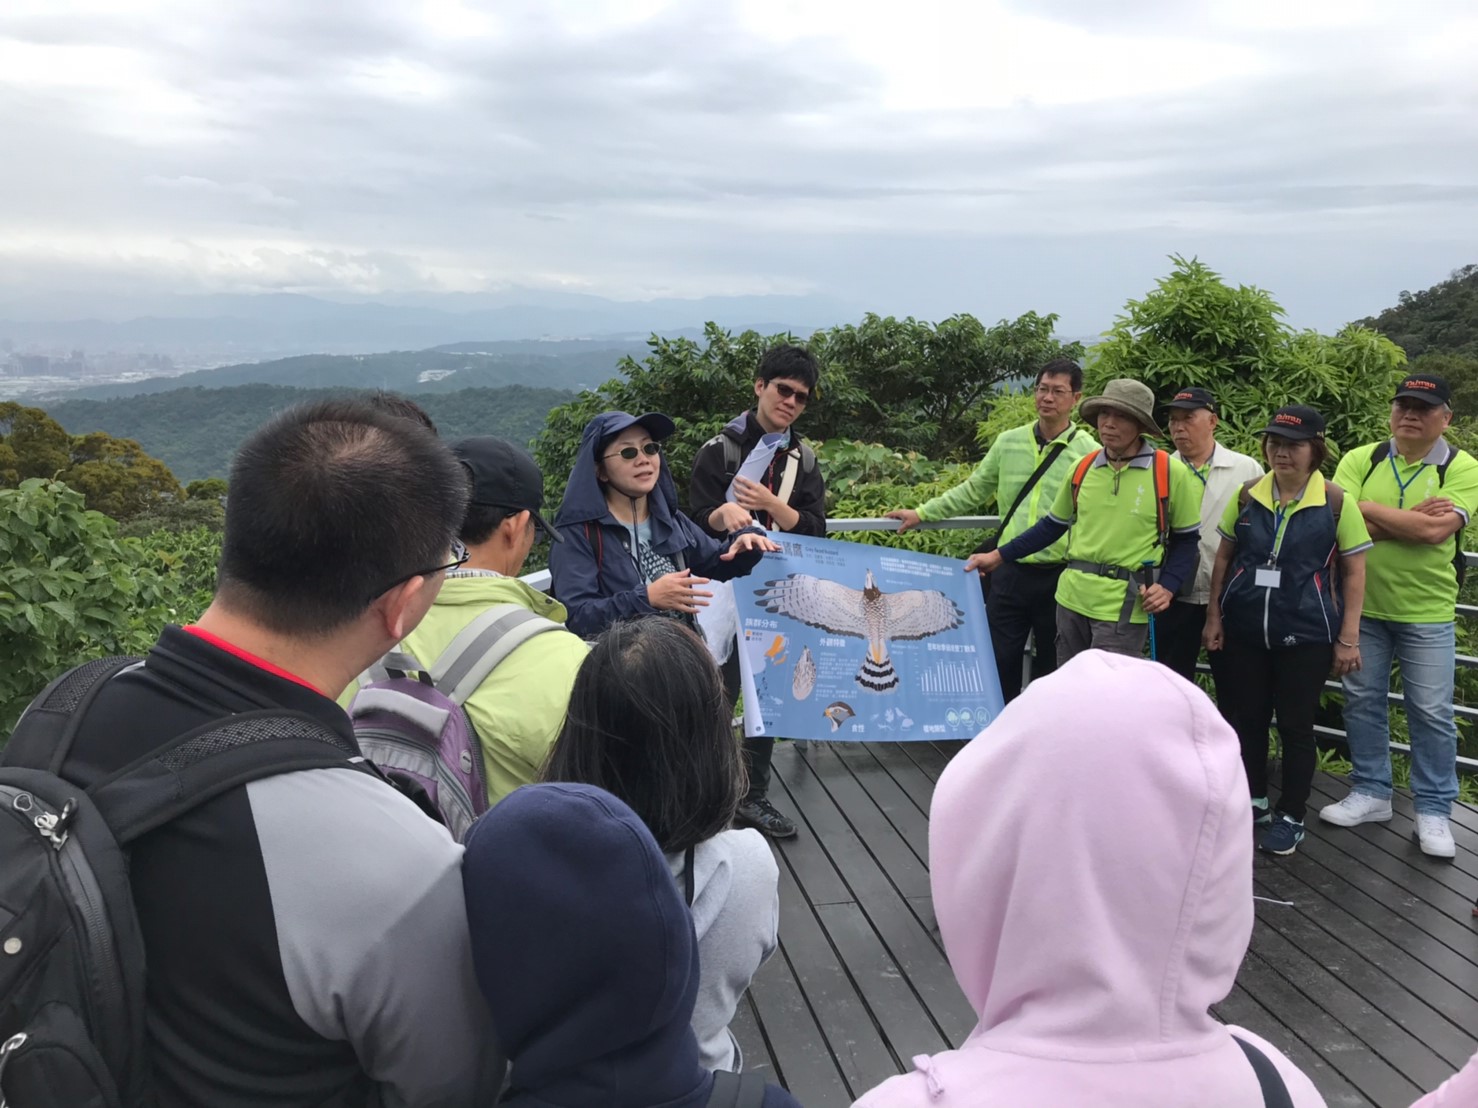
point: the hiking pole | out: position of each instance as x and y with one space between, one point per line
1149 567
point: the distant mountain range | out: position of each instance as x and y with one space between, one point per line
226 327
570 365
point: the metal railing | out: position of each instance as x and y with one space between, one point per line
540 581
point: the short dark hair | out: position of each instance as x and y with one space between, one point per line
482 520
392 403
330 502
649 722
791 363
1321 450
1062 367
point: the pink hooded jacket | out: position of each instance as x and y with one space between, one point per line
1458 1091
1091 864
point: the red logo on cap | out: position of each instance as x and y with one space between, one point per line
1413 383
1293 419
1183 396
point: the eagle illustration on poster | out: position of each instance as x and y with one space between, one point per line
867 613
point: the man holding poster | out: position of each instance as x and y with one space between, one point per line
759 469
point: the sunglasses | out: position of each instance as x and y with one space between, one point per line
787 392
629 453
460 554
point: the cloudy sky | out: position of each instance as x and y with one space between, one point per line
990 156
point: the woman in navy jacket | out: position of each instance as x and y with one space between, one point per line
628 551
1286 594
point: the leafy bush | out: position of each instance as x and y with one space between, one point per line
74 590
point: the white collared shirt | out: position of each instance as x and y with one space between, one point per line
1224 475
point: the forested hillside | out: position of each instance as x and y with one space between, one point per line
1440 320
195 430
564 365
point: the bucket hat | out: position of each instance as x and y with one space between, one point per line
1129 397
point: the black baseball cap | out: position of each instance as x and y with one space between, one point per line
504 476
1426 387
1193 397
1295 422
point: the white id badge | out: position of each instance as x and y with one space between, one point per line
1268 577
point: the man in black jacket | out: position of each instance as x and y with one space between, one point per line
306 933
790 496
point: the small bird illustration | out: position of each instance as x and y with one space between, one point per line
838 712
803 682
868 613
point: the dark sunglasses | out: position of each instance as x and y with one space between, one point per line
650 449
460 554
787 392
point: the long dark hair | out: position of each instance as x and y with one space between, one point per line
649 722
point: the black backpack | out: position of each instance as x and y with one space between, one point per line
71 955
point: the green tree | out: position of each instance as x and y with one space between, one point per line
910 387
1440 320
209 488
38 447
1194 329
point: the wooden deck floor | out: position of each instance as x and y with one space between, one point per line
1369 981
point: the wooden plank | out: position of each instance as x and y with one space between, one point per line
1243 1011
906 1024
1433 972
1440 1046
857 1048
813 869
751 1038
1400 844
903 815
1373 1077
796 1046
918 785
855 825
908 938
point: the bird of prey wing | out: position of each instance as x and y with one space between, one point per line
919 613
817 603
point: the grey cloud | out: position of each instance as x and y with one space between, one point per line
678 153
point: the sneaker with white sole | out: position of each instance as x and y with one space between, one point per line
1435 836
1355 809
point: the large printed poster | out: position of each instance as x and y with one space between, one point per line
863 643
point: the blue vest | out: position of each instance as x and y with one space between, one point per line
1305 608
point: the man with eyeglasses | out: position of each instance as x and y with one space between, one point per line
305 928
1021 474
1417 492
1219 475
519 707
789 496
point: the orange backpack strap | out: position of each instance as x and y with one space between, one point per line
1081 471
1162 495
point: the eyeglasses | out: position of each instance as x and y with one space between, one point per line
460 554
787 392
651 449
1416 407
629 453
1043 390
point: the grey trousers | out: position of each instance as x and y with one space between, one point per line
1077 633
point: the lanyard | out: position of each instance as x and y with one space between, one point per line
1196 473
1401 494
1280 513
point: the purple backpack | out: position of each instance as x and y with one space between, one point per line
409 719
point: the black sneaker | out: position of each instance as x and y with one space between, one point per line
760 814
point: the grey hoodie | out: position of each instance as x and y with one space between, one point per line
736 913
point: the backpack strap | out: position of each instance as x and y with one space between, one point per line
203 763
808 459
689 880
1335 497
787 477
738 1090
1080 472
598 542
43 737
1162 496
1244 494
482 645
1381 452
732 458
1274 1090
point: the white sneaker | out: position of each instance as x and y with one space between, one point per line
1435 836
1355 809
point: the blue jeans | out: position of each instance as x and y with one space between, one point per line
1426 652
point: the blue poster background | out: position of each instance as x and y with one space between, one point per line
817 659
